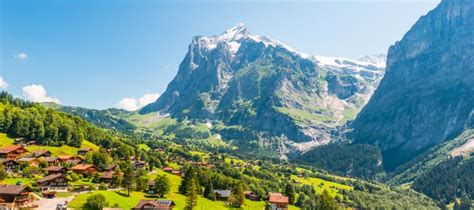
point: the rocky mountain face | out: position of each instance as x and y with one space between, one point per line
427 94
254 82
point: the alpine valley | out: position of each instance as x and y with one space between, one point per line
391 131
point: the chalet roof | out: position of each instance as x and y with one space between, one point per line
50 177
167 169
51 159
249 193
151 182
277 198
223 193
81 167
40 152
155 203
55 168
4 160
6 189
107 175
10 148
84 150
65 157
25 159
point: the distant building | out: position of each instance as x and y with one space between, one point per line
31 161
70 159
9 164
167 169
53 161
40 153
222 195
56 170
251 195
14 196
107 176
155 205
83 151
84 169
278 201
12 151
53 182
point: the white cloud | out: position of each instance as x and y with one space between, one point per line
22 56
37 93
132 104
3 84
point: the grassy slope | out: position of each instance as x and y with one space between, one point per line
180 200
320 185
4 140
63 150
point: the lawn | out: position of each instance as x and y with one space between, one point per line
321 184
13 181
63 150
112 198
144 147
4 140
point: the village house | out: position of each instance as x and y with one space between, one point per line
40 153
12 151
222 195
251 195
53 182
278 201
138 164
155 205
70 159
106 177
56 170
52 161
176 172
83 151
10 165
84 169
167 169
14 196
31 161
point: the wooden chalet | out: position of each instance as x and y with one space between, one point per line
83 151
53 182
167 169
14 196
138 164
31 161
70 159
53 161
84 169
12 152
40 153
277 201
251 195
107 176
151 186
155 205
9 164
222 195
56 170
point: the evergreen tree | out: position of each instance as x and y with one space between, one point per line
128 179
117 177
3 173
290 192
209 191
192 195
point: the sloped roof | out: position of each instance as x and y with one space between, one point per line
223 193
10 148
277 198
7 189
50 177
155 203
82 167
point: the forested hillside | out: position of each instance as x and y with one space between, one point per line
34 122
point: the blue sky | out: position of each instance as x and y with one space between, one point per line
94 53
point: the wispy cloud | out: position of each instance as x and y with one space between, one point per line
21 56
37 93
132 104
3 84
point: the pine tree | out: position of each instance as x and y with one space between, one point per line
162 185
325 202
290 192
209 191
128 179
192 195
